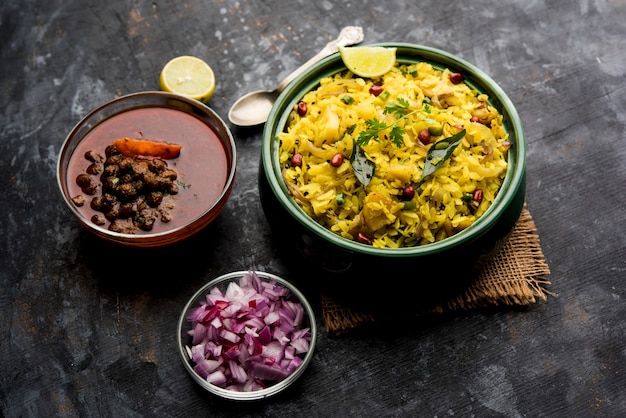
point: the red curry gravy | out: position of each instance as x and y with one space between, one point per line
202 166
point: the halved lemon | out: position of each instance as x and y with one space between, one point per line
188 76
368 61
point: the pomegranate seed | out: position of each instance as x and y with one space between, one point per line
363 239
424 136
302 108
456 78
296 160
408 192
376 90
336 160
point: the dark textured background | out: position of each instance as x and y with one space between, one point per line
81 337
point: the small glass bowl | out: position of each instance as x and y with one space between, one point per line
184 340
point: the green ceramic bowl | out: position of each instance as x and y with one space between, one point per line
310 242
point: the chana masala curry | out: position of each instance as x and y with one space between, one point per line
147 170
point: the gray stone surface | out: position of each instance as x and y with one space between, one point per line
81 337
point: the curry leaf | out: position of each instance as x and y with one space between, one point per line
362 166
440 152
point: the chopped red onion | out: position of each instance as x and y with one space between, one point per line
248 337
217 378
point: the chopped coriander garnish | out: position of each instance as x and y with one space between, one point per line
384 95
400 110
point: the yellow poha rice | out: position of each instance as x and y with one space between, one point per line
443 202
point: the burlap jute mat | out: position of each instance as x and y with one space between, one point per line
514 276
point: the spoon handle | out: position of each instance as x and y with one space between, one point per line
350 35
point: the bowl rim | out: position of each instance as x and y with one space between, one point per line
405 53
259 394
158 238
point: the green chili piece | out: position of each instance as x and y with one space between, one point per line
435 130
442 144
410 205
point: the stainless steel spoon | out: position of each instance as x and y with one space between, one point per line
253 108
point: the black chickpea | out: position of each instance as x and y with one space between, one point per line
133 190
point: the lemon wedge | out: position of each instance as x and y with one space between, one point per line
188 76
368 61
